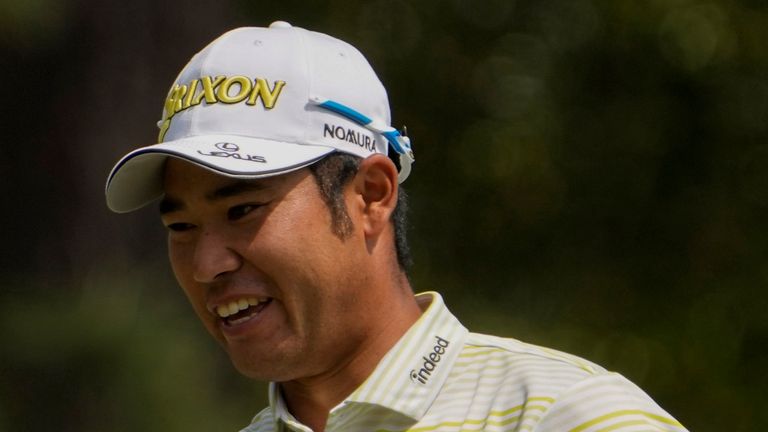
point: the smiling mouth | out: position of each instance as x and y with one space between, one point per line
240 311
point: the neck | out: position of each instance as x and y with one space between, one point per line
311 399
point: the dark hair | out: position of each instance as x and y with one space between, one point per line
332 173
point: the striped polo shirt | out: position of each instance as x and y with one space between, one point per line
440 377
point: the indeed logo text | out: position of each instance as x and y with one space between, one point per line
430 361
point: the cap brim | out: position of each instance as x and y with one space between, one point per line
137 178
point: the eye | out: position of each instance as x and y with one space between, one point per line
239 211
180 226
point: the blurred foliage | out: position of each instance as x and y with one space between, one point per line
120 356
590 176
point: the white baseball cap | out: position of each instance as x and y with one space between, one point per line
259 102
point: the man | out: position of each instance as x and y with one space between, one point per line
285 229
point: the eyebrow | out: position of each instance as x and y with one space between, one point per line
169 204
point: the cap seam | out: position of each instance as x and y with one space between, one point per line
203 65
310 82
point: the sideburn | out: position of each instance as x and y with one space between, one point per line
332 173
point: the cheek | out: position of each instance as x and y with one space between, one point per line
306 253
302 256
293 235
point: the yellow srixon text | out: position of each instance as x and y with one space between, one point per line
228 90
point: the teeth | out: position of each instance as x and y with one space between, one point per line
222 311
234 307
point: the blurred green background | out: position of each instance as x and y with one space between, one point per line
590 176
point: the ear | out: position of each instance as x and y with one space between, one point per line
376 187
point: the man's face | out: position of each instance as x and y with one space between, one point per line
263 270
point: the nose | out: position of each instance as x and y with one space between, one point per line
214 257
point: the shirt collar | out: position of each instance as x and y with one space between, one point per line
409 377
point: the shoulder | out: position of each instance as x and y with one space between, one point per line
515 364
261 422
511 372
607 401
568 391
481 346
